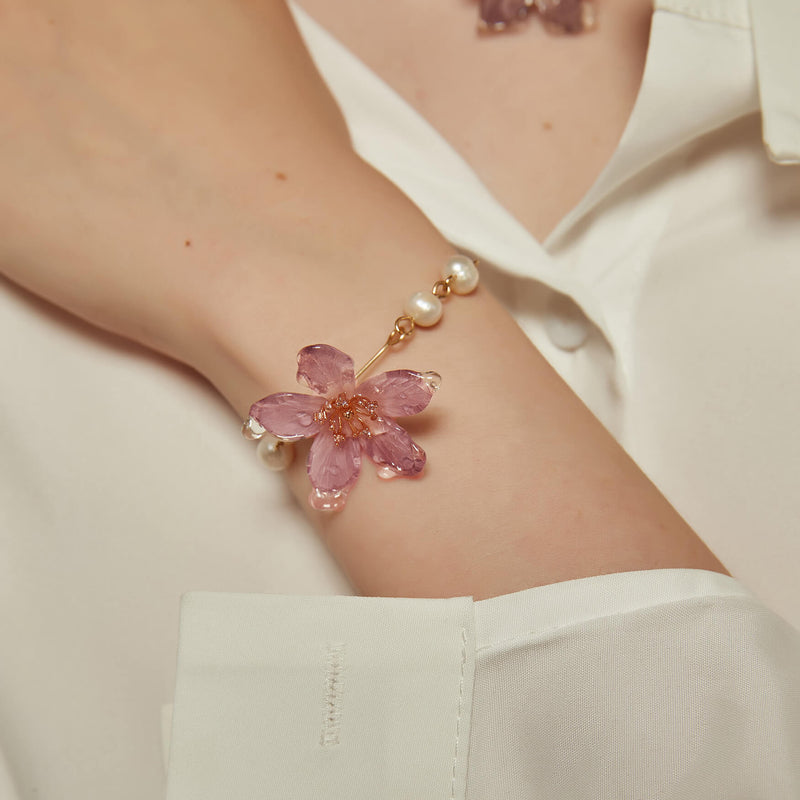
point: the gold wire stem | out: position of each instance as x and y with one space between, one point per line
404 325
403 328
372 361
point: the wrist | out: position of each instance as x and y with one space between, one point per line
289 284
523 486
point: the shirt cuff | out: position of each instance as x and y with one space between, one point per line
360 698
279 696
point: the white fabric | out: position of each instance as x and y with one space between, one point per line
123 484
778 64
287 697
626 686
679 686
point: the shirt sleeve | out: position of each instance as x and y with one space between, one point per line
664 683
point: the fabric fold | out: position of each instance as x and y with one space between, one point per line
672 683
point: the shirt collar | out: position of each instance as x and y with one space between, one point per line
700 68
776 25
698 77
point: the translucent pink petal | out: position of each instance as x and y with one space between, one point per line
325 370
399 393
333 467
288 415
394 448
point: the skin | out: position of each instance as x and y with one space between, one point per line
558 104
127 141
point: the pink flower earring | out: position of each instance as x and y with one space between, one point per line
558 16
347 419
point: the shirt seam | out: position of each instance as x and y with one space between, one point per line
460 712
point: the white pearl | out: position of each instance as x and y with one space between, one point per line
425 308
465 274
275 454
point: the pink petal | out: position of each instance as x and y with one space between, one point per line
394 448
325 370
332 467
288 415
399 393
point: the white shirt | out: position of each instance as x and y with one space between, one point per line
667 301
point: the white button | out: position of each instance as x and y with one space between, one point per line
566 325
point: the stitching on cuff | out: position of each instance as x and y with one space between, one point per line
334 684
460 710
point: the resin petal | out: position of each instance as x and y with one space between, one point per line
332 467
399 393
394 448
288 415
327 501
325 370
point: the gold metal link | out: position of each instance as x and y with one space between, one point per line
441 289
404 326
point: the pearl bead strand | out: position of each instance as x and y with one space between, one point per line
462 273
459 275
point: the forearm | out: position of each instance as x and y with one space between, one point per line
523 486
194 189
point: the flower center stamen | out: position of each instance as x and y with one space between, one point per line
347 417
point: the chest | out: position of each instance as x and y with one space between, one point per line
537 116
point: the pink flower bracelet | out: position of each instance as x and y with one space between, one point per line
347 419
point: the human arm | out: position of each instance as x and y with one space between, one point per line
162 151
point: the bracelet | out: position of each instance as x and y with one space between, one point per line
347 419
